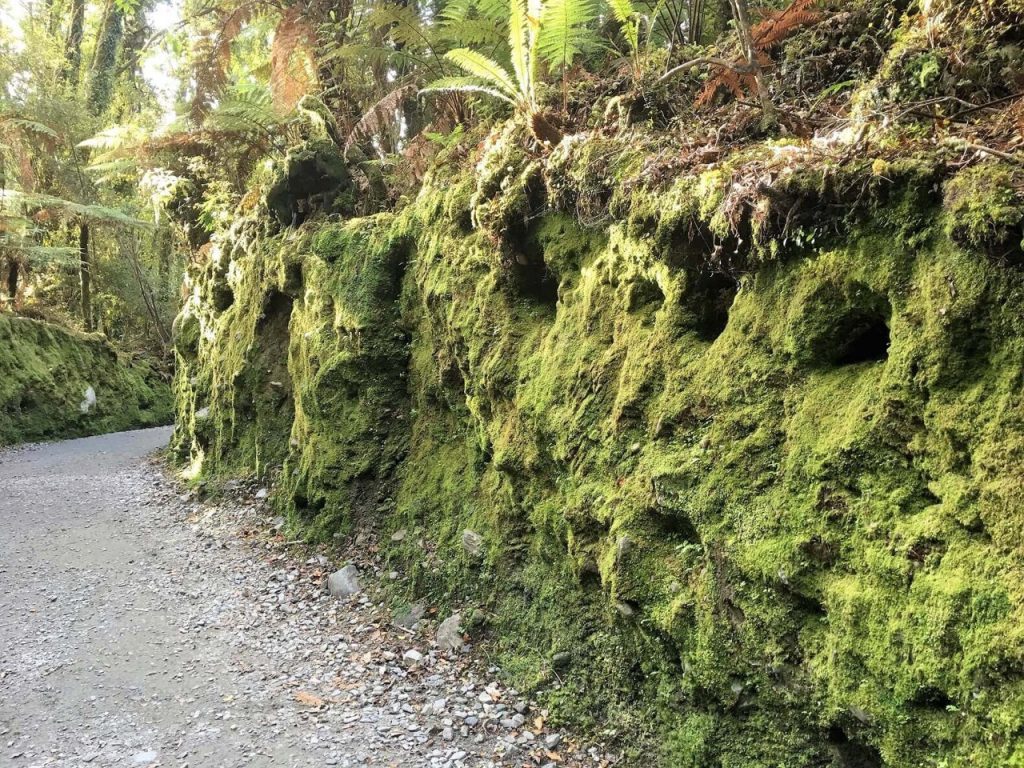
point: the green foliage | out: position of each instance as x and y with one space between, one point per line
566 31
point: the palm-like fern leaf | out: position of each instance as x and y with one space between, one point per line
625 13
486 69
566 31
465 85
519 36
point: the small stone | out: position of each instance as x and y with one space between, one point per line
552 740
448 734
412 617
144 758
412 656
262 493
622 548
344 582
398 535
472 543
448 636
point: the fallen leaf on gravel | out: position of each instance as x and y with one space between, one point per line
309 699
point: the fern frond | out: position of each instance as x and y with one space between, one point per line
29 127
464 85
100 214
475 22
243 110
778 25
566 31
486 69
210 67
518 41
626 14
403 23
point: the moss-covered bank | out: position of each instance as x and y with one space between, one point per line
755 499
55 383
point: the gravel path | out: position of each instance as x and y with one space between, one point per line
140 627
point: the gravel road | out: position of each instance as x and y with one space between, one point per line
140 627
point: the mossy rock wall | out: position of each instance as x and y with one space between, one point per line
769 520
55 383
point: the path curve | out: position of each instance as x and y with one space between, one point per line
139 627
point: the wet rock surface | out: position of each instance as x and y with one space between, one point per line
142 627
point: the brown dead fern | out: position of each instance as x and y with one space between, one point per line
292 75
774 27
213 57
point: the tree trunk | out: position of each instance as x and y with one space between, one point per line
73 46
85 269
101 88
742 16
13 269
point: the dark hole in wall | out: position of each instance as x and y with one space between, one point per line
590 576
863 338
675 526
850 754
532 281
277 311
710 298
304 506
531 278
293 279
808 604
644 294
930 697
223 298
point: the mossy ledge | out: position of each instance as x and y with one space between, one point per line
748 494
56 383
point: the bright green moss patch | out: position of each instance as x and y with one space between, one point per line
58 384
739 505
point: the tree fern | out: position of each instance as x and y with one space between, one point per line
474 22
629 21
566 31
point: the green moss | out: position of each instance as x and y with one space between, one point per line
765 516
985 207
46 372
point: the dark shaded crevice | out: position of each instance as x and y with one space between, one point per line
223 297
848 753
644 295
863 339
710 298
